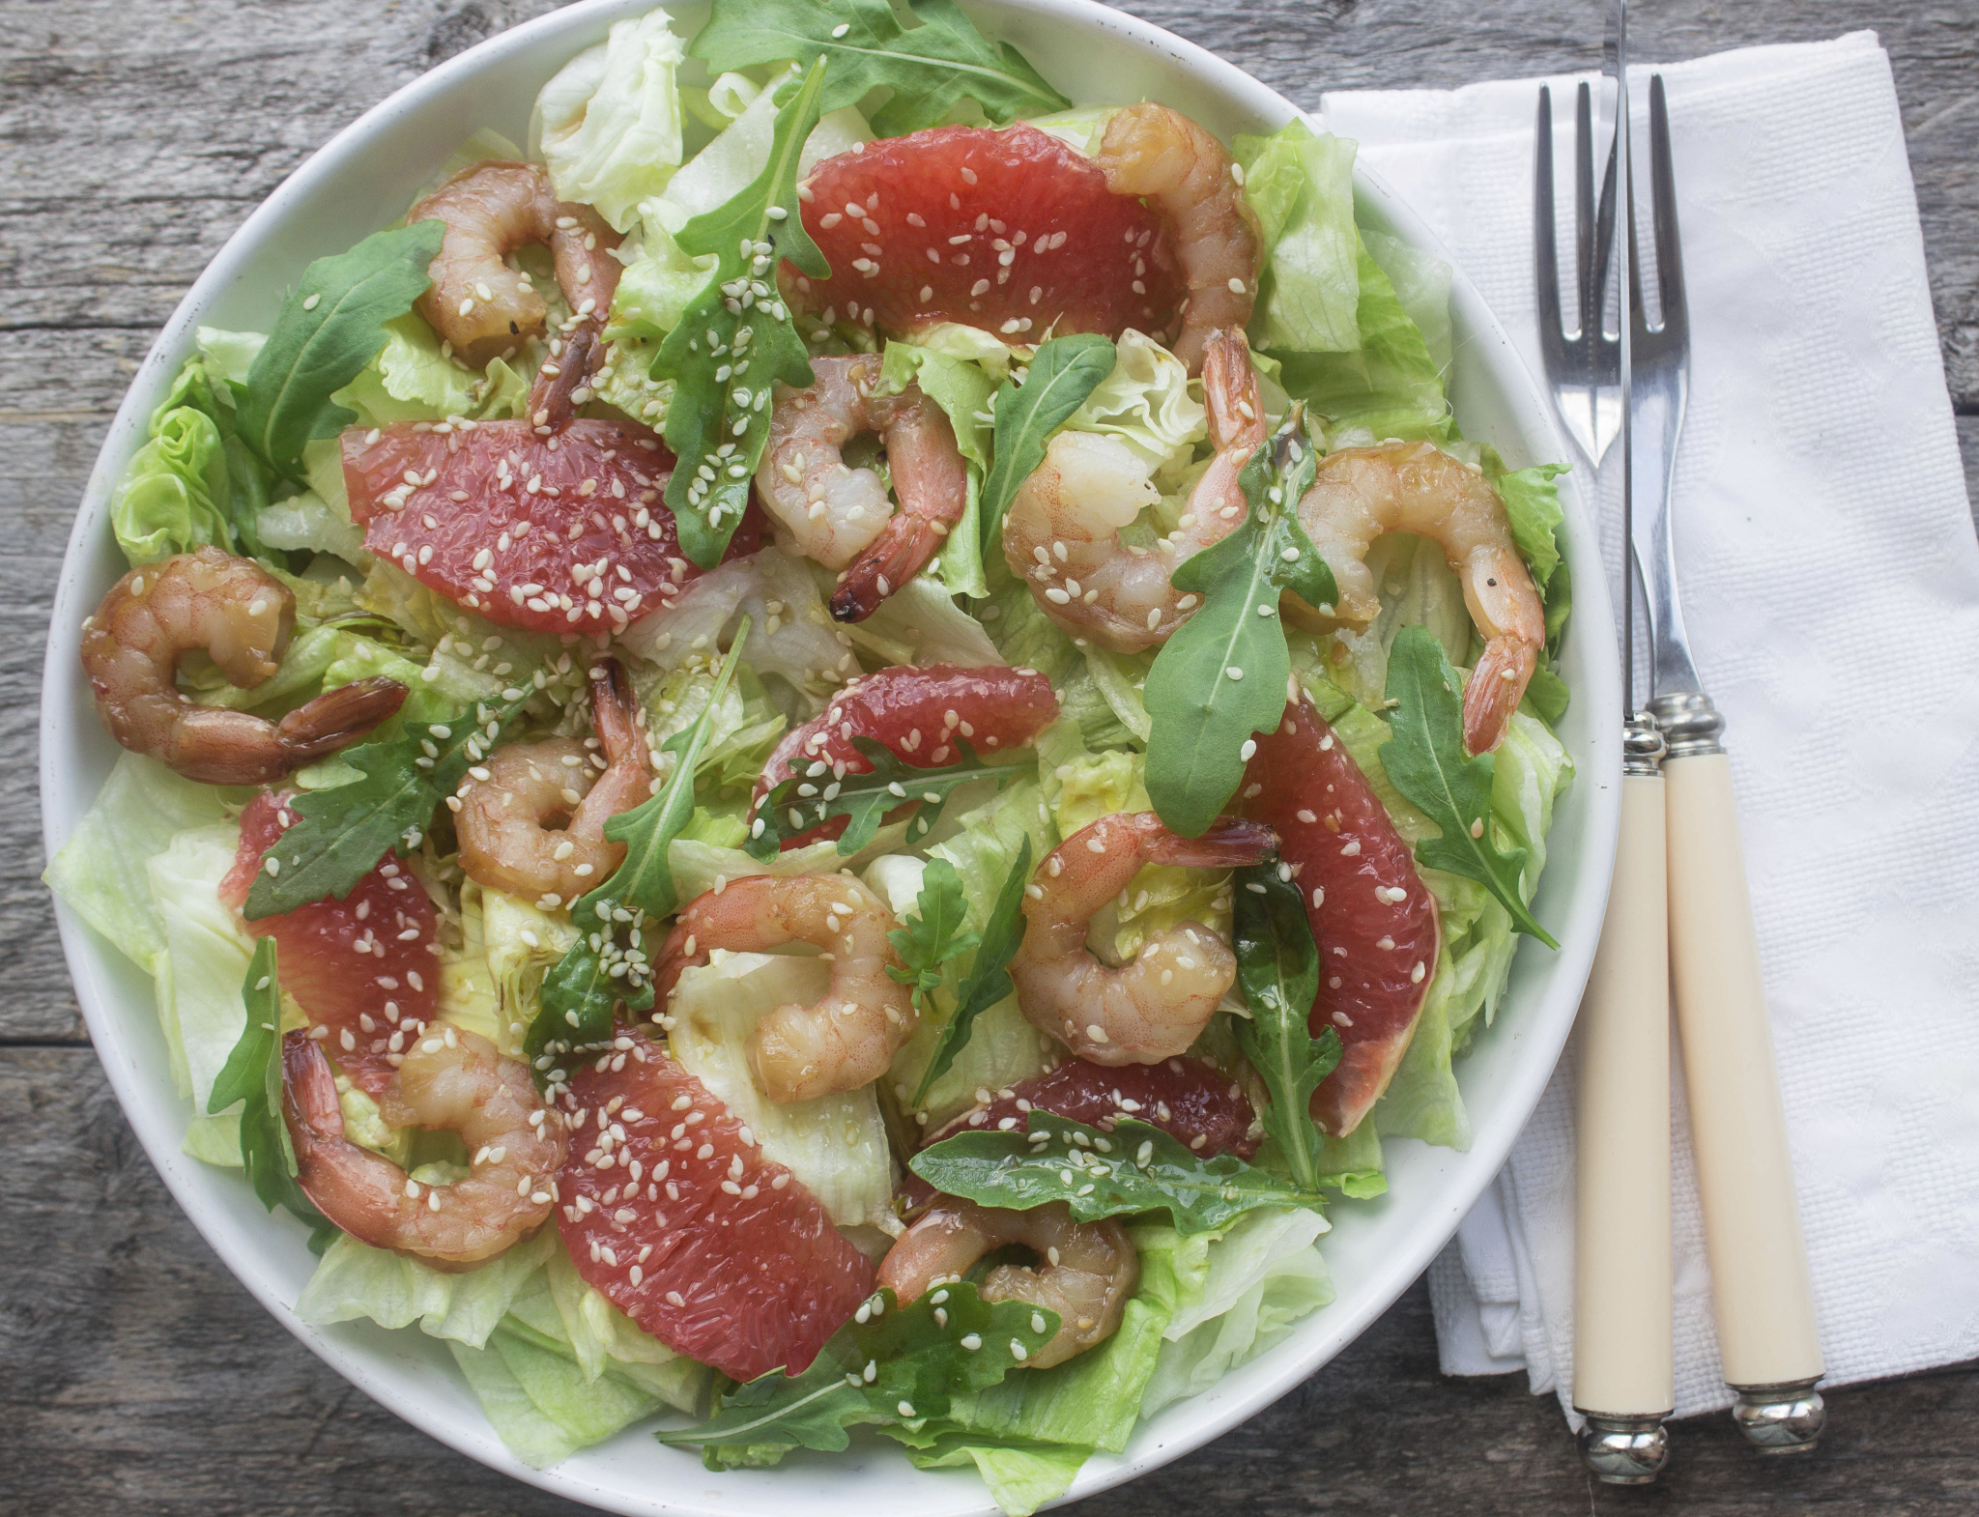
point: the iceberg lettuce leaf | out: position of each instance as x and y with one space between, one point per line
608 124
1302 187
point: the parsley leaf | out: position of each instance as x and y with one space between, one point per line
988 980
933 934
1425 760
253 1076
890 1364
596 972
930 67
1136 1168
736 337
1222 676
330 327
1278 966
799 804
1065 371
342 832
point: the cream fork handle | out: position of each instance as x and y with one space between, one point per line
1767 1336
1622 1333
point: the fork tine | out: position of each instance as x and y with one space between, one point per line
1546 260
1604 237
1663 192
1585 240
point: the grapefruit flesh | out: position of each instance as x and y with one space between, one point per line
672 1212
1006 229
917 714
364 969
560 534
1186 1098
1372 917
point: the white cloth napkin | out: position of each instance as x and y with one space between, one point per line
1831 584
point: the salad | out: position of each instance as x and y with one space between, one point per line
828 752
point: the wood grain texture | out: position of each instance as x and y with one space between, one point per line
136 1374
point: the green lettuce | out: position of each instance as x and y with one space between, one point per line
555 1366
1389 386
1002 1048
102 873
413 378
1145 403
199 977
1302 188
837 1144
174 494
608 124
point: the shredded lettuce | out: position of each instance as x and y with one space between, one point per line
1145 402
354 1280
1302 188
608 124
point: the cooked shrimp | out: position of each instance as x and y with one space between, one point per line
1361 493
241 616
1063 530
850 1036
508 837
1085 1270
485 308
1149 1009
453 1081
1156 152
839 515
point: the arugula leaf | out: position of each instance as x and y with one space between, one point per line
930 68
1065 371
737 328
1278 967
889 1364
252 1075
933 935
597 972
330 327
1222 676
1136 1168
988 980
1425 760
797 805
342 832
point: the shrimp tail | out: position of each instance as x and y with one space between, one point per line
552 399
1229 843
1230 389
904 545
1496 687
338 717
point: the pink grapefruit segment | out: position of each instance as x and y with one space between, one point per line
364 969
1372 917
672 1212
917 713
1006 229
561 534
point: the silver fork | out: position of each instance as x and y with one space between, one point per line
1768 1340
1660 365
1623 1371
1583 366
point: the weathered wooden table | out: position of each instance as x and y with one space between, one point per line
135 1373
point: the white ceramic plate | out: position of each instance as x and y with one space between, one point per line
364 178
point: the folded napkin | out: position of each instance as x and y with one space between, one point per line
1831 586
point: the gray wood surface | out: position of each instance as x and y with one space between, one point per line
135 1374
